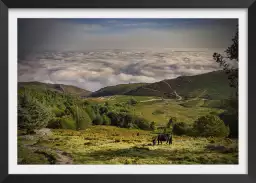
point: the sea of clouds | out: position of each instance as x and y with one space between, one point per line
95 69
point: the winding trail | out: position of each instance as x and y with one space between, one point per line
62 157
176 94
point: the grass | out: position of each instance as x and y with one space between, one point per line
112 145
161 111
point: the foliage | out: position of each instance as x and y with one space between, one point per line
68 123
171 121
232 54
210 125
81 118
181 128
90 112
98 120
31 114
153 125
54 123
231 120
132 101
58 112
103 110
106 120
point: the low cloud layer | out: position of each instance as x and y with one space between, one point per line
93 70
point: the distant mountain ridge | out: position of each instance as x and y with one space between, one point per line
73 90
212 85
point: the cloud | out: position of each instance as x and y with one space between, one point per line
93 70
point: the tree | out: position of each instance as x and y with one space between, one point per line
81 118
98 120
232 54
211 125
32 114
106 120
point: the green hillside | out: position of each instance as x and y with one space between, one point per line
56 87
117 90
213 85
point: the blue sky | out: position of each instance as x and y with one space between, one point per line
77 34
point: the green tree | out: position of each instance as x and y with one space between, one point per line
210 125
32 114
106 120
81 118
98 120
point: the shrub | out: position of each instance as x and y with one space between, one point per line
106 120
132 101
90 112
210 125
32 114
171 121
142 123
54 123
153 125
81 118
98 120
67 123
231 120
103 110
58 112
181 128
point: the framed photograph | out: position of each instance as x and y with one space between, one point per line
100 91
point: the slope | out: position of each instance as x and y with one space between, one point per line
56 87
213 85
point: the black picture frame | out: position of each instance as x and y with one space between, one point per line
250 5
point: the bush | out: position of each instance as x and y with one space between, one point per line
58 112
67 123
32 114
153 125
98 120
106 120
171 121
54 123
90 112
132 101
81 118
231 120
103 110
142 123
181 128
210 125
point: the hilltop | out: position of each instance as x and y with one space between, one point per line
212 85
120 89
68 89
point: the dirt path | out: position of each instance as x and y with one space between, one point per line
151 100
61 157
176 94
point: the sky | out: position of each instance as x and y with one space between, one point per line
94 53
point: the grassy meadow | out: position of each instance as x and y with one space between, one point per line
107 144
113 145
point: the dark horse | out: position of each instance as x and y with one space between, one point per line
163 137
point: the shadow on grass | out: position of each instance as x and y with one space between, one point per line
145 155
